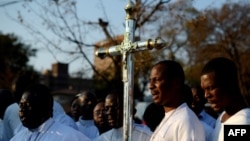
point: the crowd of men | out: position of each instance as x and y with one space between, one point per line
177 113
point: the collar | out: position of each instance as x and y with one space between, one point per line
44 126
86 122
202 114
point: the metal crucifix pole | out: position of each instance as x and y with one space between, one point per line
127 49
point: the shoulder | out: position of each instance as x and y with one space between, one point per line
20 135
142 130
12 109
142 126
184 113
186 119
105 136
69 132
241 117
65 119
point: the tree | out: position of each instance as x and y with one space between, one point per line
222 32
14 58
61 18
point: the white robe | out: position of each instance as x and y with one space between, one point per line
180 124
208 130
205 117
50 131
1 130
138 134
242 117
88 128
11 121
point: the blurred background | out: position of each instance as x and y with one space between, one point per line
56 40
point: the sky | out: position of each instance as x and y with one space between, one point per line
90 10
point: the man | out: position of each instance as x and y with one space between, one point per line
114 113
35 112
168 89
58 115
11 119
190 102
75 110
219 80
99 117
198 104
87 101
6 99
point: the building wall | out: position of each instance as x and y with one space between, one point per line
63 87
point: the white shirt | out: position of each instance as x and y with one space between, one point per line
88 128
58 115
57 108
208 130
65 119
117 135
1 129
50 131
242 117
180 124
10 121
205 117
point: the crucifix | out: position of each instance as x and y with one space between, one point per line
127 49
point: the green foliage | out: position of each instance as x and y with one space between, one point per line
14 57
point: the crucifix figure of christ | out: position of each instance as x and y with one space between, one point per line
127 49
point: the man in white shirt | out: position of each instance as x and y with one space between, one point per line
6 99
198 104
114 113
36 108
87 101
219 80
11 119
167 88
99 117
58 116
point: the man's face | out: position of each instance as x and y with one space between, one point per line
213 93
161 89
113 112
75 109
31 111
198 100
99 114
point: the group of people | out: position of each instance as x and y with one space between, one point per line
183 121
176 114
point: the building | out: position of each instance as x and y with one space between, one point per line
64 87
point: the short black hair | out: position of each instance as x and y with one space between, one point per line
172 70
91 95
22 81
42 94
225 71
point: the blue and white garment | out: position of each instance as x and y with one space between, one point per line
242 117
88 128
138 134
11 121
205 117
180 124
50 131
